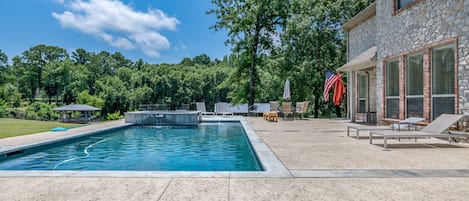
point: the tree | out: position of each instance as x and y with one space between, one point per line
251 25
3 59
85 98
57 78
81 56
186 61
313 44
3 68
202 59
114 93
35 59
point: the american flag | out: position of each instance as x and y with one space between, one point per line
328 84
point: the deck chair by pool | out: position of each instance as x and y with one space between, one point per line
242 109
272 114
406 123
201 107
259 108
222 109
437 128
287 110
273 106
301 108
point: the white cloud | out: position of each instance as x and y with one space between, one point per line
58 1
119 25
180 47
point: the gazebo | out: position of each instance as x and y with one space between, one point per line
85 116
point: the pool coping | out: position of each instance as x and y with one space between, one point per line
272 166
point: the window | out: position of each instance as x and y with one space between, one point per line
362 93
403 3
414 85
392 89
443 78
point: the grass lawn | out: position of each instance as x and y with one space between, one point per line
17 127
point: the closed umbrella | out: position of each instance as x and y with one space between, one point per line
286 91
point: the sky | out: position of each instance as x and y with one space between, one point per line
157 31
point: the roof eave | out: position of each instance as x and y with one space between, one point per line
360 17
358 66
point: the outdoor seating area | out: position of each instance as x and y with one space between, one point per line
77 113
406 123
446 126
270 111
438 128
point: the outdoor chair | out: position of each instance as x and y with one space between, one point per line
301 108
259 108
272 115
437 128
222 109
287 110
142 107
273 105
406 123
201 107
242 109
183 107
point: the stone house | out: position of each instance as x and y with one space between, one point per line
408 58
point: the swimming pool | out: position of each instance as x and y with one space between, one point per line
208 147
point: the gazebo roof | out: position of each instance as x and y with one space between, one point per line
76 107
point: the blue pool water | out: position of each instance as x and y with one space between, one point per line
208 147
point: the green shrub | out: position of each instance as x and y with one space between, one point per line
31 115
114 116
85 98
39 111
3 108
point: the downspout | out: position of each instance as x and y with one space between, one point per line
349 74
367 91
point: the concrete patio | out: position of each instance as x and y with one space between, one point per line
323 162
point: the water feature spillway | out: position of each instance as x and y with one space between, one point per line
163 118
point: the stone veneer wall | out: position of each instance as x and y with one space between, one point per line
362 37
427 22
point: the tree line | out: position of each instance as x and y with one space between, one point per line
109 81
272 40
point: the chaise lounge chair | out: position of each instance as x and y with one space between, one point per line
242 109
409 122
222 109
201 107
437 128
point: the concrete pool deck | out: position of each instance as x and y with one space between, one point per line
323 163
